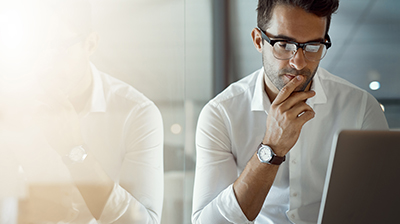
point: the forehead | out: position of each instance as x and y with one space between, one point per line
296 23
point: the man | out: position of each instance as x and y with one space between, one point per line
97 133
290 106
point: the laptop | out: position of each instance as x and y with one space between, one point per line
363 179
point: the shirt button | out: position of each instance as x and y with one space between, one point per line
294 162
294 194
293 216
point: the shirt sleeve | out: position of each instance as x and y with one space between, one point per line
374 117
138 197
214 200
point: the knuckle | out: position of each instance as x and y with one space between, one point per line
305 95
285 89
286 116
280 110
309 115
290 113
308 108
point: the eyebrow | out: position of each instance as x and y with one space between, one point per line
294 40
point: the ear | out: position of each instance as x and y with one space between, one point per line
257 39
91 43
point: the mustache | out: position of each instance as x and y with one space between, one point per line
295 72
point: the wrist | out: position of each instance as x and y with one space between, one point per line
75 155
279 151
267 155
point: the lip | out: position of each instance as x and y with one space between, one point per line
290 77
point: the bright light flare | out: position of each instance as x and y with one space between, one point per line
12 30
23 35
375 85
176 129
382 107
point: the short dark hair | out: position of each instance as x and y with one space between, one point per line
320 8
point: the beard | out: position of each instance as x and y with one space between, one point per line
277 76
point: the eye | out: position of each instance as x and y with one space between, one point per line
281 44
313 48
290 47
284 46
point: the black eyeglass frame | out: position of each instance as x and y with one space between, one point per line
328 44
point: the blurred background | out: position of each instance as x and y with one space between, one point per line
219 51
181 53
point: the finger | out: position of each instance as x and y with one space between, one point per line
288 89
298 109
306 116
296 98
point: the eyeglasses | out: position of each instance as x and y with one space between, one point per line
285 49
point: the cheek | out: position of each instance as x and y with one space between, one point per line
273 64
313 66
75 63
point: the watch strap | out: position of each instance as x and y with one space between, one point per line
275 160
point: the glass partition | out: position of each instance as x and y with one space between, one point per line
142 44
167 50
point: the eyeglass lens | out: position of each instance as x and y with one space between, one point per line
284 51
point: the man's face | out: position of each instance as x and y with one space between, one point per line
69 61
301 27
36 44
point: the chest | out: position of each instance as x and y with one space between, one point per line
314 143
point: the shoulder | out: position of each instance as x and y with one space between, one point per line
121 92
239 91
329 80
335 86
351 98
132 106
230 104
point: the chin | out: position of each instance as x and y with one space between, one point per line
301 88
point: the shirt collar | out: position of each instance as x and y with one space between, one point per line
97 100
320 96
261 102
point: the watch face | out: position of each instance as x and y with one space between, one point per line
77 154
265 154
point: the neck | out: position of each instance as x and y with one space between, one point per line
82 92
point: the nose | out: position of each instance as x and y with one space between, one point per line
298 61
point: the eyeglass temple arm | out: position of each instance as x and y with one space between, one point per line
328 43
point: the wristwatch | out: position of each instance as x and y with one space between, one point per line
76 155
266 155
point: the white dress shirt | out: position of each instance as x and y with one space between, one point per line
123 130
233 124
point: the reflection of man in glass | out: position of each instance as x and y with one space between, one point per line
263 144
106 135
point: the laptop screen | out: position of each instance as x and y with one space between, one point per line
363 179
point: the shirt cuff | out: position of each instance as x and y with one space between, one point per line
229 208
116 206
